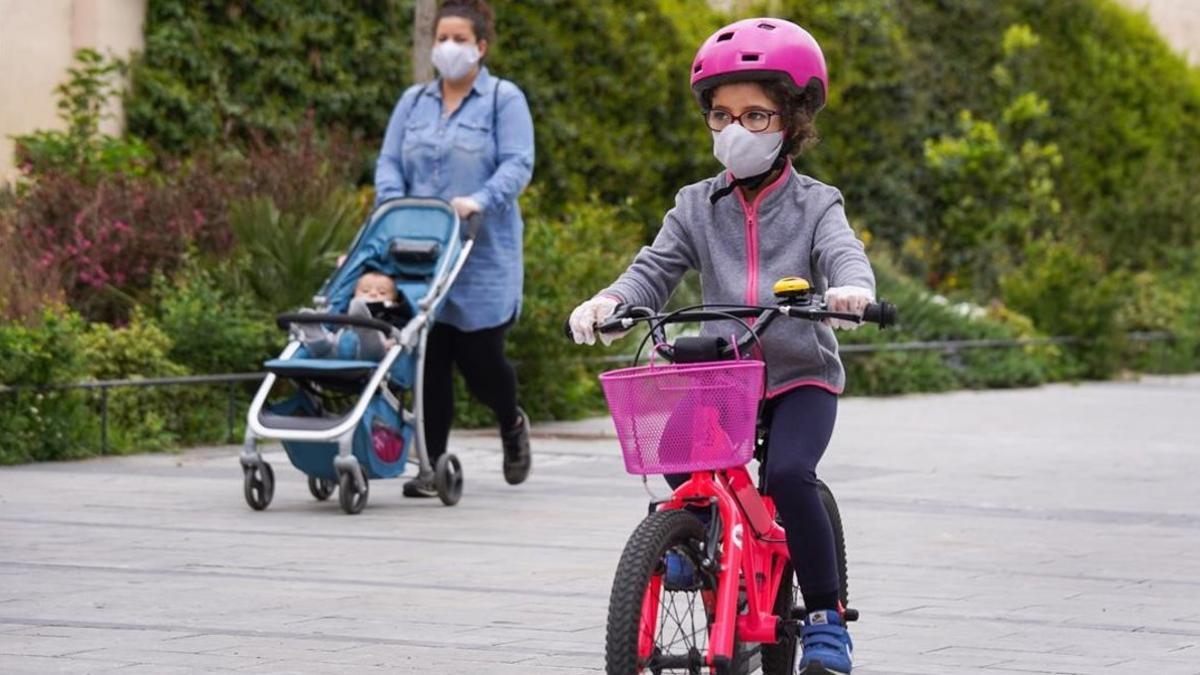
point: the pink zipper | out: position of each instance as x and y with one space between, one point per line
752 237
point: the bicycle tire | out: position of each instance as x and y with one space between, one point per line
839 540
641 560
779 658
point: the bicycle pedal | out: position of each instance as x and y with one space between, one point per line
787 629
800 614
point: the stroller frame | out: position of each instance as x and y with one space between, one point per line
412 338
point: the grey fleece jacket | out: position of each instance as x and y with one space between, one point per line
796 227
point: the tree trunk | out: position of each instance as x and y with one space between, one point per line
423 16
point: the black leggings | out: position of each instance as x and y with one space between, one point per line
801 424
480 358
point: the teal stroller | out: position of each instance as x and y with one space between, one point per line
351 421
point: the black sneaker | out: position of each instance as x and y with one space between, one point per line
420 487
516 450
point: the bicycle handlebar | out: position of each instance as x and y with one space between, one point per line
882 313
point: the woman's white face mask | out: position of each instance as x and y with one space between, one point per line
454 60
746 153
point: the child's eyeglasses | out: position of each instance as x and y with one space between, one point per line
751 120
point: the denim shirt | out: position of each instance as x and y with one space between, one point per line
427 154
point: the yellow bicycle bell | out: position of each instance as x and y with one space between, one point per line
792 289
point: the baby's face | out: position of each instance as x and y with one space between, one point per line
375 287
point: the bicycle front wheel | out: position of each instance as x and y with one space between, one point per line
656 625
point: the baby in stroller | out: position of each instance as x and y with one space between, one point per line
353 407
375 296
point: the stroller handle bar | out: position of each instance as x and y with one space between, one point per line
285 321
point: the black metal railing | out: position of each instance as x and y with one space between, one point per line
231 380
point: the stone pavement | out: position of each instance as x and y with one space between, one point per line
1051 530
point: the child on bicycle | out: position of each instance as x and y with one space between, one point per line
760 84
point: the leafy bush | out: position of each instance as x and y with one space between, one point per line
991 199
26 288
607 84
1163 302
108 239
1066 291
102 239
139 418
928 317
284 256
567 257
211 329
43 425
82 150
1128 124
215 72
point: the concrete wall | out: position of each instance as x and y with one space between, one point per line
38 39
1177 20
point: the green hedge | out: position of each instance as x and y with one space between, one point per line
60 348
1124 110
1038 154
217 71
926 317
606 83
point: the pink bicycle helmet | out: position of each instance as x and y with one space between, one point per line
761 49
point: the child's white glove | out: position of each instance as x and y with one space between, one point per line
847 300
465 207
585 317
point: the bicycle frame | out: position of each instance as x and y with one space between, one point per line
753 546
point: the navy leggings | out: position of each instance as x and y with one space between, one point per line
800 426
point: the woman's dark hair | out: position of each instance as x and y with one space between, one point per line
798 112
478 12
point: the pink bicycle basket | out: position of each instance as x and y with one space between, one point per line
681 418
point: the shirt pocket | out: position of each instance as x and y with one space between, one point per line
418 134
473 137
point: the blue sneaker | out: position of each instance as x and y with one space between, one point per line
826 644
681 572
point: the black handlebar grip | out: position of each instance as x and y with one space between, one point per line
567 330
474 222
882 313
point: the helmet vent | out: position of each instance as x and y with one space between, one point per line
698 67
750 57
725 36
765 26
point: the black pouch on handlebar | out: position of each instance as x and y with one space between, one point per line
698 349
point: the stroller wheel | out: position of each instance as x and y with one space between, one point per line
352 500
258 484
448 477
320 488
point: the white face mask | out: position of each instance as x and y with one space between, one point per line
454 60
746 153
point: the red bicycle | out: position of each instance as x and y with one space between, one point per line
699 415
